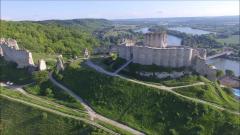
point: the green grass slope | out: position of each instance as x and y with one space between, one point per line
20 119
147 109
212 93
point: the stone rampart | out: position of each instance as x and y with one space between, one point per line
201 67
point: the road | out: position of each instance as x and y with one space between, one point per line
93 115
165 88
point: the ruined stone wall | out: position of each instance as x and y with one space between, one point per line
201 67
199 52
167 57
11 52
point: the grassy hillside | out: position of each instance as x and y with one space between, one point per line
212 93
48 37
20 119
150 110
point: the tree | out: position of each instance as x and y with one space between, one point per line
40 76
173 132
229 72
197 130
220 73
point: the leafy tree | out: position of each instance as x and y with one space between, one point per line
220 73
40 76
48 37
229 72
173 132
48 92
197 130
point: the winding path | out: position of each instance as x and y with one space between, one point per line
165 88
93 115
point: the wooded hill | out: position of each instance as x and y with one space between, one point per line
68 37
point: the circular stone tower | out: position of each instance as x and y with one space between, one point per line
158 39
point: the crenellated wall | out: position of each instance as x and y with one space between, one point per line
11 52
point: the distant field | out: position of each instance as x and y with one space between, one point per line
234 39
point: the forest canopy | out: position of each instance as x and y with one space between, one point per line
48 38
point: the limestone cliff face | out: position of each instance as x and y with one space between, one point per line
10 51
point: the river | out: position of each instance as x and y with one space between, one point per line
189 30
223 64
236 92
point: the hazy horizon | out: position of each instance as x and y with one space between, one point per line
128 18
113 10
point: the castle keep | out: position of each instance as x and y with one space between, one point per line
156 51
10 51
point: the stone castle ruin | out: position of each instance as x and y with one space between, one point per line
156 51
10 51
42 65
60 63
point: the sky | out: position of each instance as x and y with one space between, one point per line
113 9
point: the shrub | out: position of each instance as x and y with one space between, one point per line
48 92
44 116
173 132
